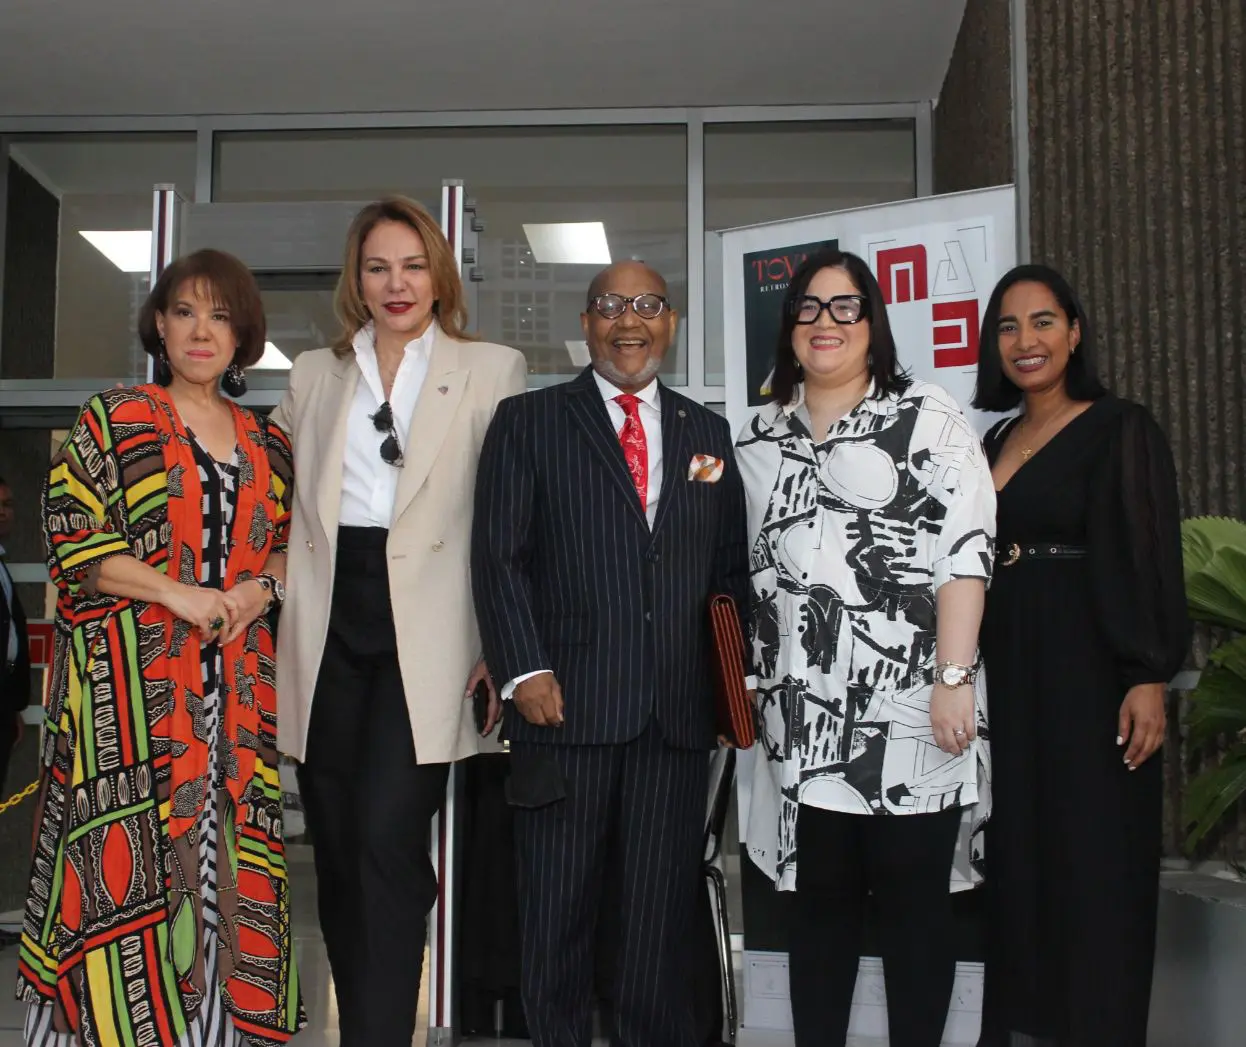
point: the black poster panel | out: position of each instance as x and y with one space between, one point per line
766 276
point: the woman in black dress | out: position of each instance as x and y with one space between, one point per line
1085 624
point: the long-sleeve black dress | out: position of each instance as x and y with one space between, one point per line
1073 848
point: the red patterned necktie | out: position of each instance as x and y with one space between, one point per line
635 447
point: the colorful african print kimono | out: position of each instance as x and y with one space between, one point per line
159 912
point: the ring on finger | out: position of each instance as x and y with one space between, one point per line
217 624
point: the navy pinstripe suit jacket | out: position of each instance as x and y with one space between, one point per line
568 576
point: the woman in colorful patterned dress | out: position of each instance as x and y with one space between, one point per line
158 911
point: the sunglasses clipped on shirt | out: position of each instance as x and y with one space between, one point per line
383 421
844 308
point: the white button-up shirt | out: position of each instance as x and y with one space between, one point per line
369 483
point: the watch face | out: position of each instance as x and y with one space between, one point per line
951 676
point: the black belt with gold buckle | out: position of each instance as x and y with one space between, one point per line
1008 555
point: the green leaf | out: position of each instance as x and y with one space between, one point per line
1212 793
1214 564
1217 706
1202 535
1232 656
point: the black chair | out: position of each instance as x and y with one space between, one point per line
722 777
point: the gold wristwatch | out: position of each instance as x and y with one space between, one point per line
951 674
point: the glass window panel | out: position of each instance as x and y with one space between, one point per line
104 183
769 172
299 311
633 180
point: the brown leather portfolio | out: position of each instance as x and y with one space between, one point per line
735 711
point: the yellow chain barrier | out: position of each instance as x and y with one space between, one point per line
17 798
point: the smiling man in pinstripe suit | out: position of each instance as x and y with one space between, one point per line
608 511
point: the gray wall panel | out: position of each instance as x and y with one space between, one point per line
973 120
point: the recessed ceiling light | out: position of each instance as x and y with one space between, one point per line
578 351
569 243
128 249
273 359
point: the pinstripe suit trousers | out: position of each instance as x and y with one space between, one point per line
641 804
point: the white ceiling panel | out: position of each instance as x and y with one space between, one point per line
235 57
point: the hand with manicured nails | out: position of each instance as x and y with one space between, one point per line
481 672
1142 723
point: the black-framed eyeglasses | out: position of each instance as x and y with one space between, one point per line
646 306
383 420
844 308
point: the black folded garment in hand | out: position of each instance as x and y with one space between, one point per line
535 780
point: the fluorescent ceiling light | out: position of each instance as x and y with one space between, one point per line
578 351
128 249
570 243
273 359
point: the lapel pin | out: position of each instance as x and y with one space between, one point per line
682 413
443 389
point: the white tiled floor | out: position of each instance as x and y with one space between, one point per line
314 973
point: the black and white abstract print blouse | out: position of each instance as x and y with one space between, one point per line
850 539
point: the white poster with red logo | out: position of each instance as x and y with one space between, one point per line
937 259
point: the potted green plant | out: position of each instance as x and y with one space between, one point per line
1214 553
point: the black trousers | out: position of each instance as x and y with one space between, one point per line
905 861
368 806
8 738
642 804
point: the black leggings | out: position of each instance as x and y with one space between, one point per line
905 861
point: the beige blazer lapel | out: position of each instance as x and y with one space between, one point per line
334 409
434 412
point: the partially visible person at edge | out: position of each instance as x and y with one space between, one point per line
870 521
1085 625
15 663
158 910
378 639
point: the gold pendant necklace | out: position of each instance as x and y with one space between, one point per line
1028 452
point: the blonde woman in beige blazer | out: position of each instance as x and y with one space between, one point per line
378 648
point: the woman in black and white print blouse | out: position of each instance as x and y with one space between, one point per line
871 529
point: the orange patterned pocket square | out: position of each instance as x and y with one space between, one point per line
705 468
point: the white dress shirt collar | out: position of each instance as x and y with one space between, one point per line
647 395
364 344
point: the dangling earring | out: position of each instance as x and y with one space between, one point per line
162 371
234 382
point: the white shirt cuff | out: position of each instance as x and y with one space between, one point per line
509 689
750 683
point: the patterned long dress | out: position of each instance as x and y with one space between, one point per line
158 910
212 1026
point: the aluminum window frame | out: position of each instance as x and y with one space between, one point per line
694 120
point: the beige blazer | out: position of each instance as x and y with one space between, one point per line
429 538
